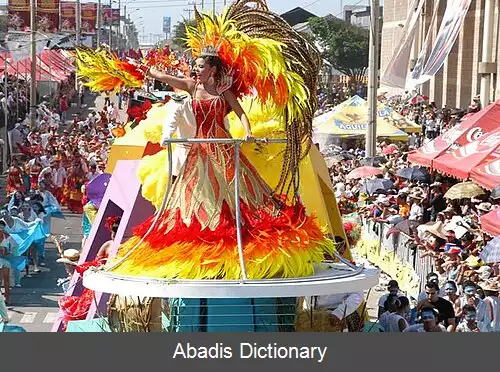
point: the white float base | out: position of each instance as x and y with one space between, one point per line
328 279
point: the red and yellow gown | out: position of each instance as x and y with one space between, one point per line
15 180
195 236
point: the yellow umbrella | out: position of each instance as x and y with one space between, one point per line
464 190
350 119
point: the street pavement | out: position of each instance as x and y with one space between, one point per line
34 306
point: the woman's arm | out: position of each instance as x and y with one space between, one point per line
238 110
183 84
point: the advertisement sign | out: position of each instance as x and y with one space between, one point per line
89 18
106 14
68 16
19 15
453 19
167 22
115 17
47 16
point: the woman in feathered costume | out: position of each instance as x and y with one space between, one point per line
194 237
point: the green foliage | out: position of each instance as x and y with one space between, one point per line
180 32
345 46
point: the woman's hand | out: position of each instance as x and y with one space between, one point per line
249 137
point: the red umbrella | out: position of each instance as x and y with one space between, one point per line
364 172
391 149
418 99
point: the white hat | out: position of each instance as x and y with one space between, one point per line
485 207
484 272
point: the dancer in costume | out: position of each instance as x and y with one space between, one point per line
15 179
195 236
77 307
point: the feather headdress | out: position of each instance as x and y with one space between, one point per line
270 60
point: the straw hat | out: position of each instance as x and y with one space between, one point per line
437 230
489 285
485 207
70 257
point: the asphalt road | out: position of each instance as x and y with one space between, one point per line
34 306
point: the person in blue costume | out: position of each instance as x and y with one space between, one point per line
10 256
25 234
16 200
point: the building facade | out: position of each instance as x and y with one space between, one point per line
467 71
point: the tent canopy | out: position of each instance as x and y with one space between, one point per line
394 118
459 163
491 222
466 131
350 119
487 174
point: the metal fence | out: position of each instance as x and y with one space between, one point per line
400 245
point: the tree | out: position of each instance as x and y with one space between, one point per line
345 46
180 32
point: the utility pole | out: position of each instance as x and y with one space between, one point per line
110 26
119 31
77 44
189 11
373 62
99 23
33 65
213 6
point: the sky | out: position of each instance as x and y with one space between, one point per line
153 11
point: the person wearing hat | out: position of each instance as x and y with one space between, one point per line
416 209
437 202
488 317
392 289
70 259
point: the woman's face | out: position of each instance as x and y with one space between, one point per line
203 71
36 208
18 196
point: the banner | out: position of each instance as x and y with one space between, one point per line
419 65
397 69
453 19
89 18
19 15
68 16
167 22
47 16
106 15
115 17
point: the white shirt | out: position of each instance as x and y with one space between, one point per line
342 305
58 176
416 212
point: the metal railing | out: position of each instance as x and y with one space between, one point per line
353 269
400 245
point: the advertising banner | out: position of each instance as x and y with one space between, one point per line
453 19
167 22
19 15
68 16
397 69
106 14
89 18
115 17
47 16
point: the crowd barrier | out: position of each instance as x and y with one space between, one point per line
394 255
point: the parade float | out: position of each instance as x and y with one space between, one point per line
223 242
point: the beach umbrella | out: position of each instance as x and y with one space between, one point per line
418 99
364 172
378 185
464 190
414 174
374 161
97 187
495 193
491 252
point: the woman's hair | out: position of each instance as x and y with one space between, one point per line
402 302
40 207
216 62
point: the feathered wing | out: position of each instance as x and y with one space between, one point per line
286 68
